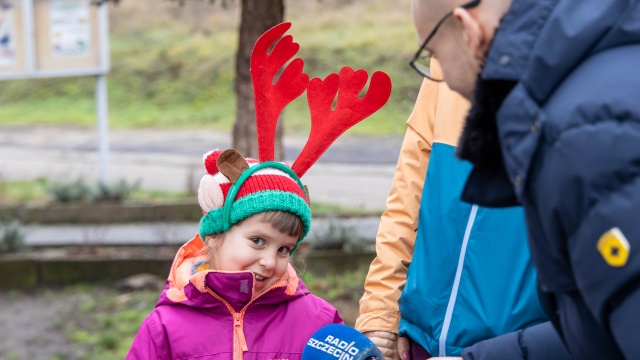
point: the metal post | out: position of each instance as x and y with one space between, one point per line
102 100
103 35
102 108
29 36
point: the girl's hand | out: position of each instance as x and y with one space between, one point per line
404 348
385 341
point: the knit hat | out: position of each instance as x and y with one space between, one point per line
235 187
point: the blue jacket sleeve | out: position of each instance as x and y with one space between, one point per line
539 342
587 193
605 257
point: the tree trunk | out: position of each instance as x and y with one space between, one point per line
258 16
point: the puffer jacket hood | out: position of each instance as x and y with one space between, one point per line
538 43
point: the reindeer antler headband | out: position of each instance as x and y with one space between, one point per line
221 196
326 124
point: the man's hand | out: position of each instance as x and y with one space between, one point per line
385 341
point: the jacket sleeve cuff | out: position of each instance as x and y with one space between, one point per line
539 342
381 320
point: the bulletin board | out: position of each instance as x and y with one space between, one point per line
12 57
53 38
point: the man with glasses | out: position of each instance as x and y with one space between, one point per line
554 125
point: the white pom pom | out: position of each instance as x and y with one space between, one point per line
209 194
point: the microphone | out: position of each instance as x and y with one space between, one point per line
340 342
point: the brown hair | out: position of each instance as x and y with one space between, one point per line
283 221
212 243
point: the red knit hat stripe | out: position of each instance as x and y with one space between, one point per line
257 183
221 179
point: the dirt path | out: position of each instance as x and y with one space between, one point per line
31 325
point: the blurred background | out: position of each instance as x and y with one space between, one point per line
84 260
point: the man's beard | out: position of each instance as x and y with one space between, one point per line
479 142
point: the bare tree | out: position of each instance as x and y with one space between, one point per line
257 17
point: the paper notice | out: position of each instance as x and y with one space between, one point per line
7 35
70 28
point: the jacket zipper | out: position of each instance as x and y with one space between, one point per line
239 341
442 342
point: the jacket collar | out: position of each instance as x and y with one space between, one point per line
235 288
496 181
515 38
190 276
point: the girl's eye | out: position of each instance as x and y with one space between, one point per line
258 241
284 250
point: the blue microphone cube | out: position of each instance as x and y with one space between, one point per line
340 342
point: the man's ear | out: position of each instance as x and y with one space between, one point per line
471 32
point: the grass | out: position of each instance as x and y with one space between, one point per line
39 191
36 192
347 286
106 321
173 67
23 191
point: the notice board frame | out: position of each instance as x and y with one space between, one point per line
34 56
43 42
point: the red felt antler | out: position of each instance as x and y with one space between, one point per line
327 124
271 99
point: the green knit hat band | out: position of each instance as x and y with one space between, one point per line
214 221
220 220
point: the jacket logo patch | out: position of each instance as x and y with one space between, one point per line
201 265
244 286
614 248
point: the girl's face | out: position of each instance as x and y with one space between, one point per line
255 246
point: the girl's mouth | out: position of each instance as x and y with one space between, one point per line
259 284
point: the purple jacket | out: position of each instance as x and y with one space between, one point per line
204 314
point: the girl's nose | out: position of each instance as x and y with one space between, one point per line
268 261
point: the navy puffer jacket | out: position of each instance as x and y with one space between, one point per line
556 123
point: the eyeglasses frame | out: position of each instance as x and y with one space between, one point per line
412 63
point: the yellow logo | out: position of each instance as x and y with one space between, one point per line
614 247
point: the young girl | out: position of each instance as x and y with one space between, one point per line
231 292
235 295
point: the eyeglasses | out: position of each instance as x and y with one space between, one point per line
421 61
